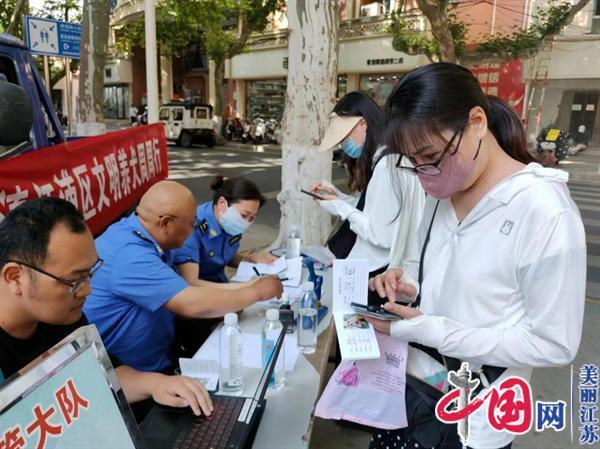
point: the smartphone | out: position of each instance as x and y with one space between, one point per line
314 195
374 312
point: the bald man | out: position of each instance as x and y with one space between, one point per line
137 293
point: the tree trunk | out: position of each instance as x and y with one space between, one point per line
219 93
16 17
438 17
311 86
94 47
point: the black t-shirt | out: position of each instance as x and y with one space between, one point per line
15 353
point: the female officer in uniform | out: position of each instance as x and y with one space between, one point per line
221 222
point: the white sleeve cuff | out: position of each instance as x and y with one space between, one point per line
408 280
423 329
337 207
341 195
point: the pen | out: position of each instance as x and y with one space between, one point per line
256 271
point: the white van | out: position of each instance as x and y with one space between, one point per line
186 123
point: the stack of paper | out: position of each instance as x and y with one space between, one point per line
320 254
204 371
356 335
293 272
245 270
282 267
252 352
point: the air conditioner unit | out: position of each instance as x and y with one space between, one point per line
372 10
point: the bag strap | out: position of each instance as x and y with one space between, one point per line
487 374
342 239
417 301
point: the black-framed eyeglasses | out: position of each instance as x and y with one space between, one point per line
74 286
432 169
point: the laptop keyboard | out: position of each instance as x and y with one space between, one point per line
213 432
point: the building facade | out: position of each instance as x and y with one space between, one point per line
545 89
566 78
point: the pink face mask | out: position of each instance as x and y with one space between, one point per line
452 177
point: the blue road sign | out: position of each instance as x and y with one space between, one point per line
52 37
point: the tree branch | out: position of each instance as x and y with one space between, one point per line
436 12
15 18
535 43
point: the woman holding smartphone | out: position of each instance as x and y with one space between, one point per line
385 204
502 257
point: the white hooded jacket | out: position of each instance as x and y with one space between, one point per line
506 286
392 213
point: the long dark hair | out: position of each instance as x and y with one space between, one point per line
235 190
438 97
359 104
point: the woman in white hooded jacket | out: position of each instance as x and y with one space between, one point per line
504 267
386 204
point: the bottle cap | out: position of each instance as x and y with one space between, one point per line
308 285
231 319
285 299
294 227
273 315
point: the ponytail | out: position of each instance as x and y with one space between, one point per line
438 97
235 190
506 126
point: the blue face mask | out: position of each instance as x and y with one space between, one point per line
351 149
232 222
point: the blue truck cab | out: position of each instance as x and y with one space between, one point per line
18 67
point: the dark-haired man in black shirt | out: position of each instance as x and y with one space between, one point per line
47 258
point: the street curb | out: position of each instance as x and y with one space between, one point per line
249 146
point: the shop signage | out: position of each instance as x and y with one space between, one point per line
385 61
504 81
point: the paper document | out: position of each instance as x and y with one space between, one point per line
204 371
293 272
356 335
245 270
321 254
350 283
252 347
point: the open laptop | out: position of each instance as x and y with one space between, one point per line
232 425
74 387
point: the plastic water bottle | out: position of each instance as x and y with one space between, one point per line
231 376
270 334
293 243
307 319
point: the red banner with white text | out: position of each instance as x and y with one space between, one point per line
503 80
102 175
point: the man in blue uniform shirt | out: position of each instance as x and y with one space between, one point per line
47 258
137 293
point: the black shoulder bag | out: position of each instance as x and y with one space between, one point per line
343 239
421 398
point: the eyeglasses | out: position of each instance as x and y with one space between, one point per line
75 285
432 169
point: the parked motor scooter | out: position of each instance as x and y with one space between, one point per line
259 130
246 131
270 126
553 146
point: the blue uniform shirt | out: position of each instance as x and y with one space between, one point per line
209 246
129 293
